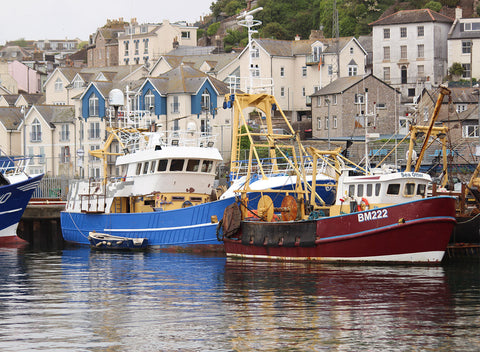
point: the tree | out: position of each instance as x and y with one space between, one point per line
274 30
433 5
456 69
213 28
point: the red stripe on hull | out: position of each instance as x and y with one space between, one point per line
12 241
424 226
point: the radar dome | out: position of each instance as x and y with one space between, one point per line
115 98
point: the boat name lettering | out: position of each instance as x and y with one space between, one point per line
373 215
412 174
4 197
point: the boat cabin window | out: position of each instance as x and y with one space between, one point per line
369 190
421 190
377 189
192 165
153 163
409 189
177 165
360 191
145 167
351 191
393 189
162 165
139 168
207 166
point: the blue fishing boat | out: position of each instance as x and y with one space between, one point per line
16 190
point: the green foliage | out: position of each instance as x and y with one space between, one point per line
273 30
235 37
19 42
234 7
478 9
213 28
449 3
433 5
456 69
200 32
244 141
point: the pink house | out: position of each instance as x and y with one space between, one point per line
28 79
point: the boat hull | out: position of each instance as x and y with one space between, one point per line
412 232
186 227
14 199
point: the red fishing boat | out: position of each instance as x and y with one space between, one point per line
380 215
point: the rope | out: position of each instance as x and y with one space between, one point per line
78 229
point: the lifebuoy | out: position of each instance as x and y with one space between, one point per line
364 205
187 203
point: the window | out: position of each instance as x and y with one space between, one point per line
369 190
41 156
207 166
139 169
386 33
420 31
326 123
421 71
77 83
466 47
304 71
421 190
378 187
65 154
126 43
403 52
335 123
282 71
466 70
255 71
90 156
403 32
330 70
386 53
358 98
411 92
145 167
334 99
420 51
145 47
58 85
393 189
206 100
403 74
65 133
461 107
175 105
143 29
386 74
255 53
352 70
94 131
162 165
282 91
409 189
152 166
93 105
193 165
136 46
470 131
36 135
303 91
186 35
351 51
319 123
360 190
149 100
176 165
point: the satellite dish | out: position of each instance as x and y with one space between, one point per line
191 127
115 98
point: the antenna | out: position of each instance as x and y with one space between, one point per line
246 20
336 35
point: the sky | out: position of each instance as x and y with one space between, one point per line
61 19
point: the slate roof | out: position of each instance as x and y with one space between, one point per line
459 95
342 84
216 61
10 117
456 33
56 113
185 79
300 47
412 16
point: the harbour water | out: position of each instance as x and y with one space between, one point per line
82 300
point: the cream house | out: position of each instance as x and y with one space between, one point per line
10 130
144 43
296 69
464 45
409 50
51 134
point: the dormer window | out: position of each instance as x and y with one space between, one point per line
206 100
93 105
149 101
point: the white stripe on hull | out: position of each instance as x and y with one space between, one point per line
10 231
162 228
420 257
11 211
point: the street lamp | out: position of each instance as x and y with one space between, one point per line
328 120
24 112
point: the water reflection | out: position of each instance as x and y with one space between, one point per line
78 300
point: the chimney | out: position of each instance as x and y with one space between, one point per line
458 12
